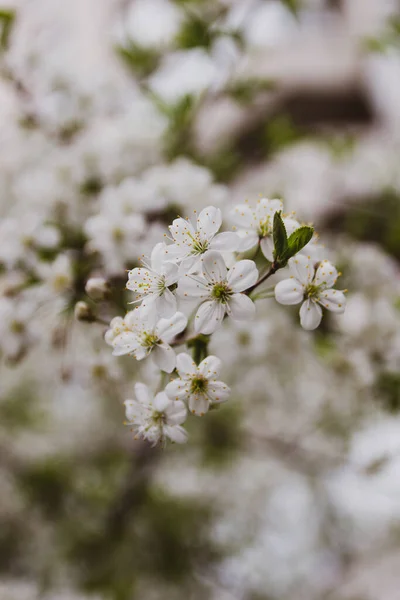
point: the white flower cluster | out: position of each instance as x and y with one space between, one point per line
189 286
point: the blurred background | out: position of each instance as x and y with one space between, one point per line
115 116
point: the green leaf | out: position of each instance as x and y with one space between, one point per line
297 240
280 237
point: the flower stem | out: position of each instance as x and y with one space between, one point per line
273 269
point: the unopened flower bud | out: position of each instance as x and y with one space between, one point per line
97 288
83 312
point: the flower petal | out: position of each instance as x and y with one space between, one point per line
302 268
177 389
289 291
218 391
243 216
183 232
247 239
333 300
158 257
161 402
176 433
208 222
208 317
185 365
290 225
267 208
133 411
142 393
228 241
167 329
176 413
210 367
214 268
310 315
193 287
326 274
166 304
164 357
243 275
267 247
240 307
125 343
199 404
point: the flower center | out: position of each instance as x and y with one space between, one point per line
311 291
198 385
221 292
199 246
264 227
150 340
161 287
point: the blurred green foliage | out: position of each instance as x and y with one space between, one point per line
371 220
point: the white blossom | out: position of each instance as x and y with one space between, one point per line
141 333
198 385
220 290
151 284
191 244
156 418
255 226
311 286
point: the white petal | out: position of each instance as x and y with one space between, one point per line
141 352
208 317
164 357
141 280
218 391
133 411
267 247
289 291
161 402
166 304
178 389
310 315
189 264
267 208
333 300
210 367
208 222
125 343
290 225
243 217
326 274
158 257
176 413
133 319
170 273
183 232
167 329
176 433
199 404
240 307
243 275
228 241
143 394
191 286
247 239
185 365
214 268
302 268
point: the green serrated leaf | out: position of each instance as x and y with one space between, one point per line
280 237
297 240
